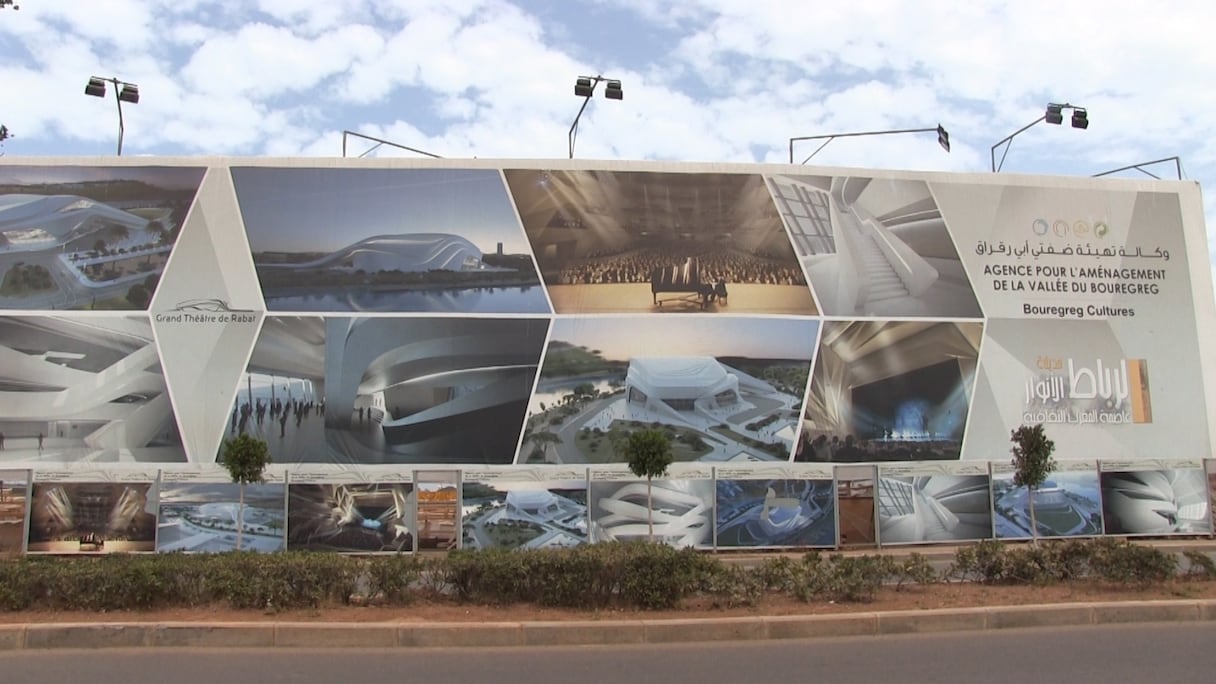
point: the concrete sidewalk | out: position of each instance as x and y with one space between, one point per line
598 632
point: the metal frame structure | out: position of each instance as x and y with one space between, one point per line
943 138
381 141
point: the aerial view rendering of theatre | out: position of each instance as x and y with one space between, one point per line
453 353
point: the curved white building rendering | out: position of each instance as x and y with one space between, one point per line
664 384
412 252
38 221
669 385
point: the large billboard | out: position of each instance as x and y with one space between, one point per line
484 322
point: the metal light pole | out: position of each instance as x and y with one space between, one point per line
584 87
943 138
123 92
1053 115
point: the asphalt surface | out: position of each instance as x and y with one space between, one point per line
1158 653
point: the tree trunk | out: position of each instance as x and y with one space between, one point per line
1034 526
240 517
649 513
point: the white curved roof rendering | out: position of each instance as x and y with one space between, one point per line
679 377
411 252
39 218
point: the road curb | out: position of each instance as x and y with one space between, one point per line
571 633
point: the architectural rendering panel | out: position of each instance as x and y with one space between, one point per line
204 517
785 512
1067 504
281 396
682 514
724 389
14 493
921 503
1171 498
419 240
75 237
87 388
351 518
874 247
890 391
92 517
428 390
631 242
507 514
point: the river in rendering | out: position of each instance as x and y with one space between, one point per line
528 299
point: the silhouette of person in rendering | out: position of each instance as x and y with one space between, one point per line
849 453
40 438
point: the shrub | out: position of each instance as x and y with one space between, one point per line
983 562
390 579
915 569
1199 565
1121 562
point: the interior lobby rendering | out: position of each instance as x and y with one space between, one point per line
84 389
874 247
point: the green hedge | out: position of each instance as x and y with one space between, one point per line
595 576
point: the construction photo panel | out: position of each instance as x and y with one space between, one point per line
1155 498
90 512
524 508
677 510
723 389
775 506
1067 504
387 240
14 495
933 502
88 388
89 238
856 509
208 513
890 391
874 247
346 513
633 242
438 510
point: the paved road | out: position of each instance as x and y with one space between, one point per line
1083 655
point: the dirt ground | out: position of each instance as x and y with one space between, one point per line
915 598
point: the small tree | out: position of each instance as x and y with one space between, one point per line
246 458
1032 463
648 453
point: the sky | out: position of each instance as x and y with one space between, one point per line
703 80
620 338
324 210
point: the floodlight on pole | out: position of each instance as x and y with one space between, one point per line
123 92
379 142
584 87
943 138
4 4
1140 167
1053 114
